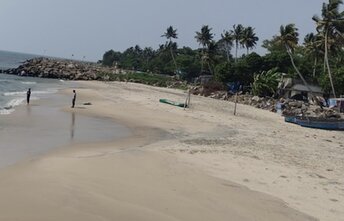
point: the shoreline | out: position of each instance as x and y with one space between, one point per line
36 129
165 171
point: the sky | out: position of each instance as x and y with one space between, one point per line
87 28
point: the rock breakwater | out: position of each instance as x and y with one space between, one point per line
62 69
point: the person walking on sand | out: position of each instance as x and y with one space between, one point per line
74 98
28 95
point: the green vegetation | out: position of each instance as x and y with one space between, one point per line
145 78
318 59
171 34
265 83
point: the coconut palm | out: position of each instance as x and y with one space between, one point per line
170 34
312 45
249 38
210 56
237 33
289 37
331 24
204 38
227 41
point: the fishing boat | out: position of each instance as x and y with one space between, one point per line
166 101
318 123
325 124
290 119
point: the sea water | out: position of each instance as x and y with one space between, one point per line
13 88
37 128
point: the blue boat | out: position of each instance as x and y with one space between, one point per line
290 119
317 123
325 124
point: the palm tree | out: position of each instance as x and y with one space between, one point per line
210 56
237 33
170 34
312 45
330 25
204 38
249 38
227 41
289 37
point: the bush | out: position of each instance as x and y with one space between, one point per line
338 82
144 78
266 83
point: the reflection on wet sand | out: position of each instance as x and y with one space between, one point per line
72 128
28 110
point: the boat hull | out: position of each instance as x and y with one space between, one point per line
311 122
325 124
177 104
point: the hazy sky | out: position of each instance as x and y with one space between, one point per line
89 27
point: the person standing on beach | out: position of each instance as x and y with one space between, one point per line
28 95
74 98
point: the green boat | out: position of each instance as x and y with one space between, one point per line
166 101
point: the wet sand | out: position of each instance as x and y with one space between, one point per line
38 128
176 165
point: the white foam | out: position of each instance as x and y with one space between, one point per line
9 108
28 82
16 93
18 97
6 111
15 102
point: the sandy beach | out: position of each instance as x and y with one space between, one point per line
202 163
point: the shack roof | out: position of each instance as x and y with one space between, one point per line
301 87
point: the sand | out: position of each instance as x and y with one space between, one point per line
202 163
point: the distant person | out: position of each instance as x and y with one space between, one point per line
74 98
28 95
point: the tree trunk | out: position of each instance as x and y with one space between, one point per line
174 60
228 51
202 61
315 66
298 72
327 63
236 51
324 66
210 69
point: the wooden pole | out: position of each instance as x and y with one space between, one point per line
236 101
187 100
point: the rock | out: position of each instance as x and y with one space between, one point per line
62 69
255 98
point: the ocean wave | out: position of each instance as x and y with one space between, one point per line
28 82
9 107
14 102
6 111
19 97
14 93
21 93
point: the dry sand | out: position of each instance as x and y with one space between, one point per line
181 165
